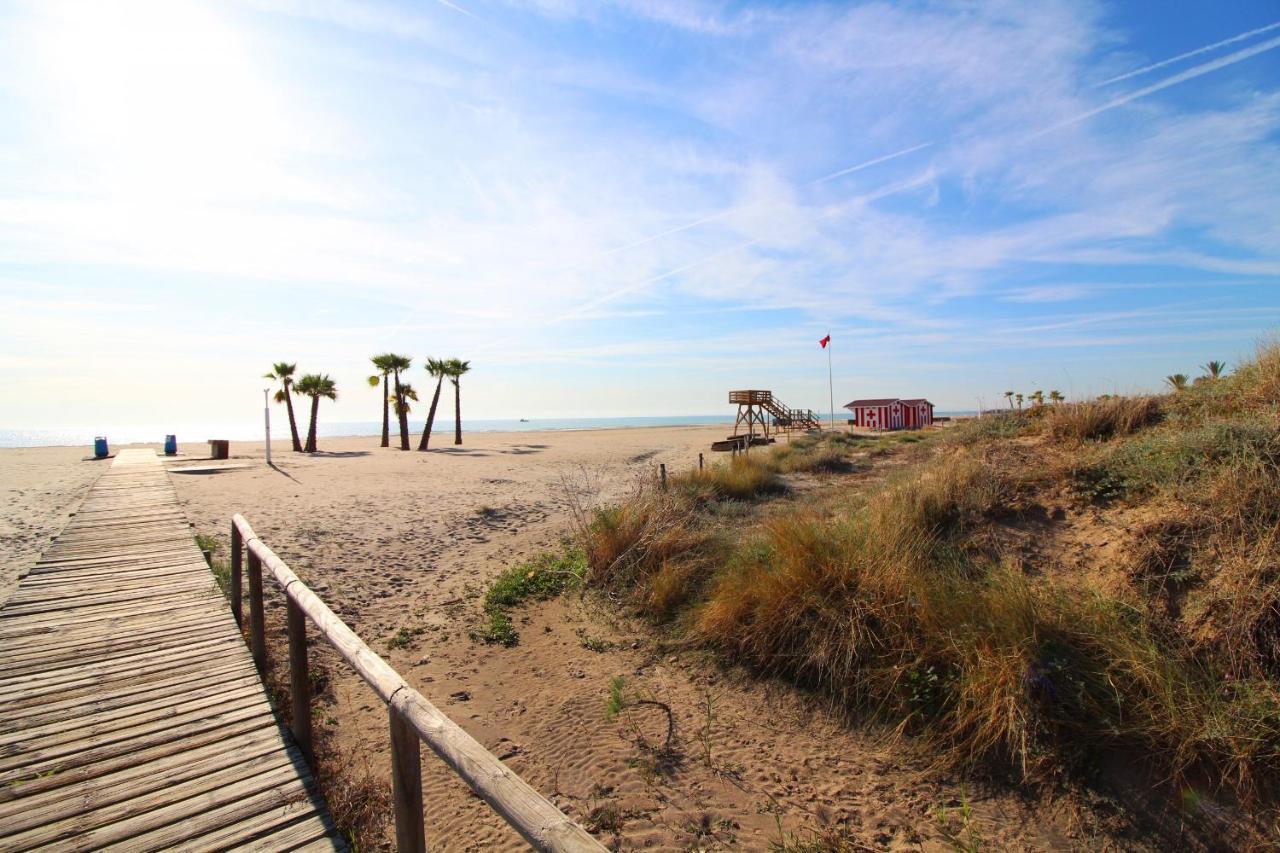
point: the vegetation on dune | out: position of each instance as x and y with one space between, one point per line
545 576
901 602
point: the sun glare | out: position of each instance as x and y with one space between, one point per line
162 97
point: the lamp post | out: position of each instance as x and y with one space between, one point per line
266 415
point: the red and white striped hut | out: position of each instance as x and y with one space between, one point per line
876 414
917 413
891 413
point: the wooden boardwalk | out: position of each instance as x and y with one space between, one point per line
131 715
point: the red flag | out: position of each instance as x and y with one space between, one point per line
825 341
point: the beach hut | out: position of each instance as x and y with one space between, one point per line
891 413
916 413
876 414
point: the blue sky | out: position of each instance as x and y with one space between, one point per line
628 207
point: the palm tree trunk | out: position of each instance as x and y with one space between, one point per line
457 411
431 416
402 415
386 433
311 432
293 424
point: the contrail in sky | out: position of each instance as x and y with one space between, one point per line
1181 77
722 214
887 190
1206 49
455 7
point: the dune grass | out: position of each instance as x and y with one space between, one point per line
899 603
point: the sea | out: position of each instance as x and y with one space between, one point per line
250 431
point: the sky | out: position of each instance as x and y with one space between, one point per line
616 207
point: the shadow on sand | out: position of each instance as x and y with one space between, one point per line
280 470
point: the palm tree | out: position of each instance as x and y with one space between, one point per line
383 364
1214 369
1038 397
315 386
1008 395
399 364
1019 398
456 369
406 393
1056 397
1177 381
439 368
282 372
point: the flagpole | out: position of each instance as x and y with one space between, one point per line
831 392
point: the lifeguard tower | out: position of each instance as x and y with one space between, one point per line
759 412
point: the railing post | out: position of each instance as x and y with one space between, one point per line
299 681
406 785
257 628
237 565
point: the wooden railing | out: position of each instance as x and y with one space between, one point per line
411 716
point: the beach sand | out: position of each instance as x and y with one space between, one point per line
406 542
39 489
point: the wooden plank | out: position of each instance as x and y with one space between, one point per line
131 714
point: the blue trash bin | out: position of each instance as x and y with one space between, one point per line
100 447
170 445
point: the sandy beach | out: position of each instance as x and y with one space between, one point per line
405 543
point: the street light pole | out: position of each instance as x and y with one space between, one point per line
266 415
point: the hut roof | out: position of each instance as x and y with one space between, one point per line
917 400
882 402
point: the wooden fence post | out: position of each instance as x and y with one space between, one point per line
237 564
662 473
699 461
299 681
257 628
406 785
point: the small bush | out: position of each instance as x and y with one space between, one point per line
793 458
545 576
627 544
1102 418
1174 458
989 427
745 477
497 630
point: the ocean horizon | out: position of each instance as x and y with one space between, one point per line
122 434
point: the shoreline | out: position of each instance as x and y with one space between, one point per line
414 433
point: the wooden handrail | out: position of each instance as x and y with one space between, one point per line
412 717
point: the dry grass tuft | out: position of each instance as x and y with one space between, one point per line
358 797
744 477
1102 418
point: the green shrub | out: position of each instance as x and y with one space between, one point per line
545 576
